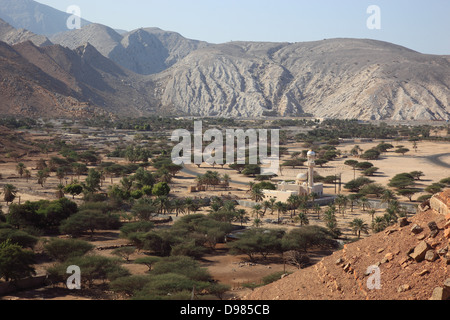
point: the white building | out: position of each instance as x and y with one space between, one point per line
303 185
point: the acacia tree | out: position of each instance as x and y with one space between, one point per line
74 189
15 262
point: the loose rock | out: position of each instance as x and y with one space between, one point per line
403 288
420 251
416 229
403 222
440 294
433 226
430 255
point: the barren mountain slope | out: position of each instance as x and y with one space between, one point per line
144 51
90 76
34 16
343 78
27 90
343 275
11 35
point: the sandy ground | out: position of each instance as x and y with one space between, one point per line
230 269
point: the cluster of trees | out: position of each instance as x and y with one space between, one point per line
73 252
192 235
170 278
214 179
404 183
264 242
367 168
346 129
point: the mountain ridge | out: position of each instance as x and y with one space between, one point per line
149 70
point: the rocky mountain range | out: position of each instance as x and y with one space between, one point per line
148 71
338 78
34 16
12 35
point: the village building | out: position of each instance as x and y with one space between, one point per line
303 185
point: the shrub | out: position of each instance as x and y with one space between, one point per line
15 262
18 237
61 249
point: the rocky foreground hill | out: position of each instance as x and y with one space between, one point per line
413 259
163 72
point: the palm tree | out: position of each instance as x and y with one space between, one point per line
365 203
179 206
303 218
229 206
294 201
241 215
330 220
372 213
20 168
280 207
313 196
356 150
266 205
226 180
378 224
9 193
61 174
42 176
60 191
257 223
189 205
215 207
358 226
317 210
387 196
341 202
256 210
27 174
257 194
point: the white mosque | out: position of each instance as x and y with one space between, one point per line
303 185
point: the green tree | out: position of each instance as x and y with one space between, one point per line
358 226
257 241
124 252
62 249
15 262
161 189
147 261
94 268
20 168
74 190
89 220
92 183
307 237
402 151
356 184
9 193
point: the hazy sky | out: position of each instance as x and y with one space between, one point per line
419 25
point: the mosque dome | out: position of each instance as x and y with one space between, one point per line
302 176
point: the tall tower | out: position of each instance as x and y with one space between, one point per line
311 164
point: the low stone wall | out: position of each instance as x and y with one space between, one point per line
23 284
439 204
